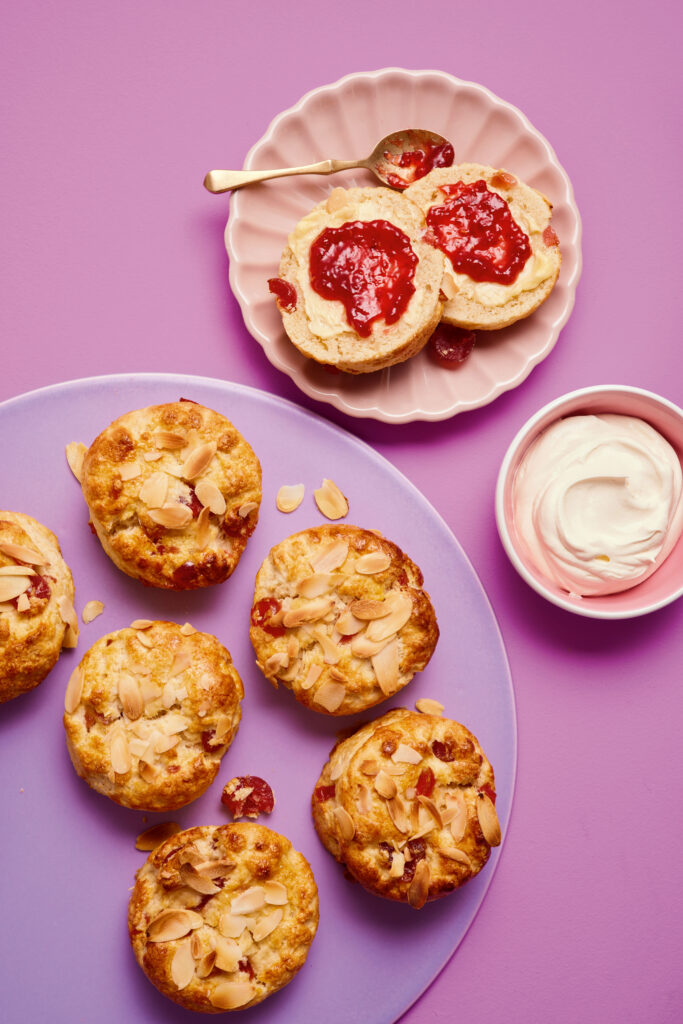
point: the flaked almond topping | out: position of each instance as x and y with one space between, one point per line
206 964
427 706
275 662
386 668
331 501
196 946
410 793
67 612
210 496
336 200
267 924
156 835
331 556
331 652
289 497
398 815
228 954
374 561
130 470
130 696
23 603
181 661
169 439
398 864
70 637
172 516
173 924
455 815
203 527
232 925
213 868
147 772
198 460
339 676
246 508
145 640
318 584
330 695
292 646
488 819
246 943
419 887
366 609
152 456
13 586
402 607
190 877
120 754
364 800
22 553
182 965
348 625
364 648
369 766
448 286
385 786
347 829
223 728
430 806
248 901
154 490
74 689
228 995
406 755
312 676
17 570
275 893
75 453
310 612
91 610
453 853
187 629
141 623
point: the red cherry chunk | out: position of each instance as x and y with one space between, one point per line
425 782
262 614
451 346
323 793
247 796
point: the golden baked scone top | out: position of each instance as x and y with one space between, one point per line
340 618
174 492
150 712
222 917
407 803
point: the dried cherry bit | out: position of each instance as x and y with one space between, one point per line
323 793
443 751
284 292
388 850
245 966
207 737
247 796
263 611
425 782
417 851
489 790
451 346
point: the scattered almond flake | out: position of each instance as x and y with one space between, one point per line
406 755
448 286
154 490
289 497
130 470
141 623
213 868
67 612
318 584
402 609
70 638
23 603
198 460
458 820
410 793
156 835
347 829
74 689
152 456
395 769
310 612
13 586
369 766
182 965
169 439
374 561
431 807
385 786
364 800
275 893
365 609
203 527
229 995
17 570
247 508
173 924
172 516
331 501
330 696
130 696
427 706
419 887
338 676
348 625
267 924
312 676
292 646
488 819
275 662
120 754
453 853
165 743
331 652
232 925
181 661
91 610
211 497
398 864
206 964
223 728
248 901
199 883
172 723
331 556
22 553
145 640
364 648
386 668
75 453
147 772
173 471
245 942
397 813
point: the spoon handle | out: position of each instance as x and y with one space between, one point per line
225 181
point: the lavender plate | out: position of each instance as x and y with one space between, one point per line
68 853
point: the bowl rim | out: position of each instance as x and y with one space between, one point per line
503 474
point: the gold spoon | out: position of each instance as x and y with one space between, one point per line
398 160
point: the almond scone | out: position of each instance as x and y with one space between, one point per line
407 803
149 713
222 917
340 618
173 492
37 616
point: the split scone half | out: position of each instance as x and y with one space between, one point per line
37 616
222 917
340 618
407 803
173 492
501 257
359 289
149 713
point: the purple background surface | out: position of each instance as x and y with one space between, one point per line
113 261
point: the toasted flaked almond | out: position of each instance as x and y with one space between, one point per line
386 668
147 772
456 815
206 964
453 853
130 470
120 754
17 570
190 877
397 813
130 696
338 676
309 612
331 652
70 637
74 689
330 695
398 864
427 706
337 200
223 729
267 924
23 603
402 607
385 786
419 887
75 453
228 954
22 553
448 286
203 527
331 556
172 516
406 755
154 490
91 610
232 925
348 625
198 460
173 924
152 456
312 676
67 612
277 661
488 819
292 646
364 800
182 965
331 501
245 942
374 561
430 806
345 826
141 623
156 835
364 648
210 496
13 586
196 946
366 609
318 584
145 640
181 661
213 868
229 995
248 901
275 893
187 629
169 439
395 769
369 766
289 497
246 508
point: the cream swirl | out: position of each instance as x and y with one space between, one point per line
597 502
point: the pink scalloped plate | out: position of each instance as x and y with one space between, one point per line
346 120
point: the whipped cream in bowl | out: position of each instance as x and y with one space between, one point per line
589 502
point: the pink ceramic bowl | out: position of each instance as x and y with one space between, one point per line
666 583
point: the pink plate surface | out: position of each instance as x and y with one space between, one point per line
68 853
346 120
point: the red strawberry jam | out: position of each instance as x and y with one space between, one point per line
284 292
418 162
369 267
476 230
